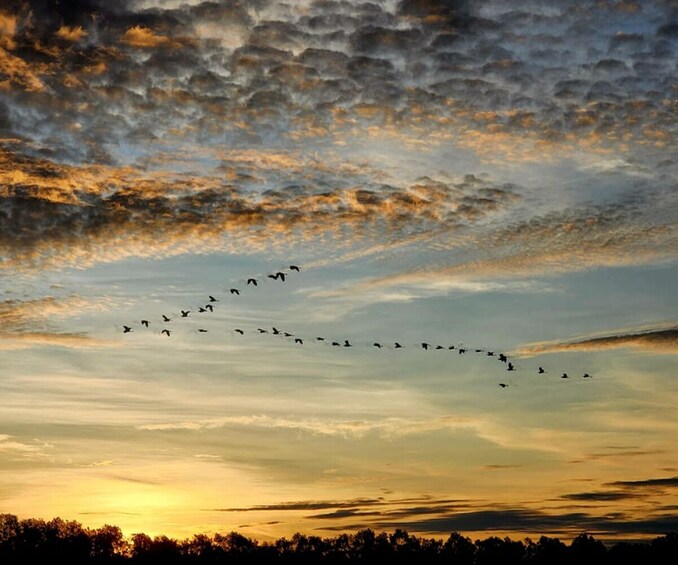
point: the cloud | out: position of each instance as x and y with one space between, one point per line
668 482
57 215
12 447
143 37
29 323
309 505
528 520
67 33
389 427
598 496
657 341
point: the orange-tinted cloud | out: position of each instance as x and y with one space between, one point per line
139 36
29 323
75 33
57 215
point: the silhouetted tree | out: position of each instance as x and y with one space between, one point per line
585 549
665 549
60 541
547 551
496 550
108 544
459 550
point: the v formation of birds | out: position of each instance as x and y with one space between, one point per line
281 276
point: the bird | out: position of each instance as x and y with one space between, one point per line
235 291
425 346
126 329
201 330
503 385
185 313
276 331
299 341
510 367
212 299
397 345
586 376
144 323
209 307
294 268
503 358
347 344
541 370
288 334
479 350
336 344
377 345
262 331
280 275
461 350
201 309
274 277
166 319
490 353
166 332
451 347
239 331
252 281
565 376
320 339
439 347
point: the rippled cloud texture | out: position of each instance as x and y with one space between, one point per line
493 175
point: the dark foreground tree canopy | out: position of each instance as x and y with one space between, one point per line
35 541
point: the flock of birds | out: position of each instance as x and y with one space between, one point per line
281 276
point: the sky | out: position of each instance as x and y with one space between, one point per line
498 176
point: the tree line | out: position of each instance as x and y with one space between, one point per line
33 540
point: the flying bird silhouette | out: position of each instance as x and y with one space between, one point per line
510 367
320 338
126 329
425 346
202 331
261 331
586 376
503 358
541 370
294 268
451 347
439 347
166 332
166 319
209 307
201 309
280 275
347 344
377 345
490 353
212 299
565 376
397 346
239 331
274 277
276 331
235 291
252 281
288 334
185 313
336 344
144 323
503 385
299 341
461 351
